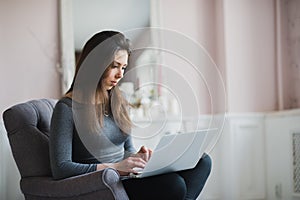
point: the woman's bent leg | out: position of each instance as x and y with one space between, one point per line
195 178
166 186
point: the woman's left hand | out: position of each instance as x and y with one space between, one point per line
144 153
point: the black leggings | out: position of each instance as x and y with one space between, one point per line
180 185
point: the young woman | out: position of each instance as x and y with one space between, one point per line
90 127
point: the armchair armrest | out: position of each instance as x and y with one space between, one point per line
107 182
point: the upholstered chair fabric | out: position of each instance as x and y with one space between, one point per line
27 125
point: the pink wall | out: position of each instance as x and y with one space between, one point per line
196 20
240 37
250 55
29 51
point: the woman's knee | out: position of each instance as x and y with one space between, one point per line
166 186
176 186
206 163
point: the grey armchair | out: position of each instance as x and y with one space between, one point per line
27 126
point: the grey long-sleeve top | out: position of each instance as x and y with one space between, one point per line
75 149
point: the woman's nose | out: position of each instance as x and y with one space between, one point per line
119 73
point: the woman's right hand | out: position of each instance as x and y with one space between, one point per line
130 165
126 166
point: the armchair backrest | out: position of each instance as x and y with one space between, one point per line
27 125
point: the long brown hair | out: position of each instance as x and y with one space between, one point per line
92 67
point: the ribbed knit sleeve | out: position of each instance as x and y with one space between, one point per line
129 148
61 136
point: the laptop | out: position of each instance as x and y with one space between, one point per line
176 152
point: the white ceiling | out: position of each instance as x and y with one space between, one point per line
92 16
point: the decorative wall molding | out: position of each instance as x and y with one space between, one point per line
67 59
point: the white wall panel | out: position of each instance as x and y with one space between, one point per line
9 174
279 160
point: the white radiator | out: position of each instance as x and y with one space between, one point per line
296 162
283 155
